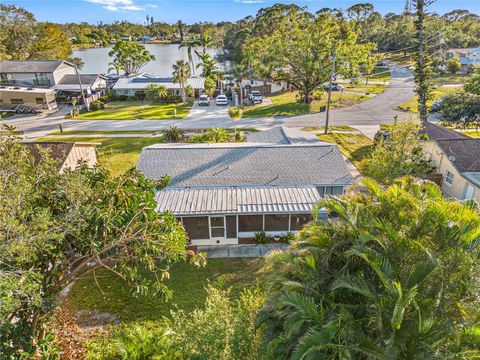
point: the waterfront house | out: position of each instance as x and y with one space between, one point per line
136 85
456 157
93 85
224 193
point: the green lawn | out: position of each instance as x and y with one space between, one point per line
116 154
473 134
451 79
412 104
131 110
333 128
354 146
287 104
186 281
380 74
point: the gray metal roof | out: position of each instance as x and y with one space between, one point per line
30 66
142 81
283 135
245 164
249 200
473 177
86 79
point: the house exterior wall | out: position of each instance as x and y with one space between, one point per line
28 79
443 164
61 71
80 152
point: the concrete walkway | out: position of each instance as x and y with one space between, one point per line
240 251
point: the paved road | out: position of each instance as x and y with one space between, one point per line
378 110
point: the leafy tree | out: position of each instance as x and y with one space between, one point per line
129 56
181 73
461 109
472 85
207 64
299 50
18 32
395 276
235 114
210 86
453 66
181 28
397 153
51 43
155 92
56 226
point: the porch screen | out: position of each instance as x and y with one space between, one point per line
276 222
231 227
298 220
196 227
250 223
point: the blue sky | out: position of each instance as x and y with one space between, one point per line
191 11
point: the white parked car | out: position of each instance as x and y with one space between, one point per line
256 97
221 100
203 100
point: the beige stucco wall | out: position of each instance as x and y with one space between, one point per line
80 152
442 165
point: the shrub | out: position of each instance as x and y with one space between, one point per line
122 98
261 237
139 96
287 237
110 95
218 135
173 134
172 99
97 105
201 138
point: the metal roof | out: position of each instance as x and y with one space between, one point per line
31 66
86 79
473 177
234 200
142 81
245 164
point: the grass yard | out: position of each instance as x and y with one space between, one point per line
333 128
451 79
412 104
116 154
473 134
131 110
286 104
186 281
380 74
354 146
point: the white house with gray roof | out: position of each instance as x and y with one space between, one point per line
224 193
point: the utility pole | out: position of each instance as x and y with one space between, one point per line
332 73
81 89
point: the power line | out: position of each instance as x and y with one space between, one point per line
409 47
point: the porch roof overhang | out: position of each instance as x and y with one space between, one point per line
237 200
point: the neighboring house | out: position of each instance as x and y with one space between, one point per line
135 85
468 57
37 98
265 87
224 193
145 38
457 158
35 73
66 154
126 38
93 85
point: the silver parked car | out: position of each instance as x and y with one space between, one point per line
203 100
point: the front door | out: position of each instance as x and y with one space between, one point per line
217 228
468 192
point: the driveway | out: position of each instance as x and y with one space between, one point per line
378 110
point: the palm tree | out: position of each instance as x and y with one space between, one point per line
113 65
191 46
181 27
155 92
206 41
181 73
240 71
378 282
235 114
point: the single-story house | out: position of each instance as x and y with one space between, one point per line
457 158
467 57
37 73
93 85
37 98
225 193
133 85
66 154
145 38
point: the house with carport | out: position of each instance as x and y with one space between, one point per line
224 193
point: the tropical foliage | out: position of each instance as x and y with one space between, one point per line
54 226
173 134
156 92
394 276
129 57
181 73
397 152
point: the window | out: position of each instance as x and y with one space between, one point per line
297 221
217 226
39 100
276 222
250 223
16 101
196 227
449 178
330 190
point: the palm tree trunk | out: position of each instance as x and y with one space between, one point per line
183 93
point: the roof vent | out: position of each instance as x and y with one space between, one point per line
451 158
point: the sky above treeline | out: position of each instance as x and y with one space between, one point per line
190 11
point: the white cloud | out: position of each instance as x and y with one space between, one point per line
151 6
115 5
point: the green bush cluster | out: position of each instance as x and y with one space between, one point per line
97 105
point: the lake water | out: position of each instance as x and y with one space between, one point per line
96 60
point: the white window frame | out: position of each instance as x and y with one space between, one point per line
449 178
217 227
